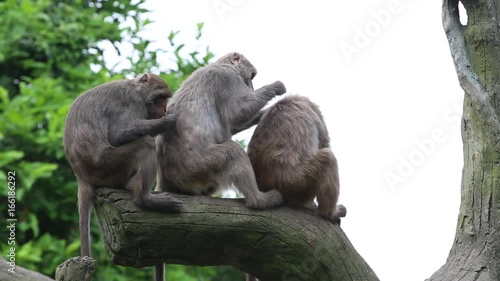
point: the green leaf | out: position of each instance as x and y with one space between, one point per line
171 37
36 170
4 98
28 252
72 248
30 223
10 156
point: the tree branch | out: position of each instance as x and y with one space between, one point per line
469 81
19 274
277 244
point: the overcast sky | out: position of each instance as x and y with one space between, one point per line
382 74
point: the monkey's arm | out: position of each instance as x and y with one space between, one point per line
249 103
254 121
126 131
274 244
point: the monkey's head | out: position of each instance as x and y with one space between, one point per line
245 69
155 93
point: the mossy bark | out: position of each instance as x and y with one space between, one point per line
76 269
277 244
475 47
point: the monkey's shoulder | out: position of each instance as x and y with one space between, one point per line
296 102
212 73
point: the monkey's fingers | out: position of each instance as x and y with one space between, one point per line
279 88
163 202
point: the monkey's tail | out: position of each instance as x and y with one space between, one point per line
251 278
322 172
85 198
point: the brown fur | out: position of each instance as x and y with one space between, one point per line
108 140
290 151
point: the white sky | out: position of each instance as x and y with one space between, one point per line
391 102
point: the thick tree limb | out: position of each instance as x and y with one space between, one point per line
469 80
278 244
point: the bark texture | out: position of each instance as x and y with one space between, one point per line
475 48
278 244
76 269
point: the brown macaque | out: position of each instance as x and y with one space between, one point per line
108 140
290 152
214 103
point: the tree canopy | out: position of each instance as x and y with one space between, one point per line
49 54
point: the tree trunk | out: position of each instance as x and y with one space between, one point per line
475 48
277 244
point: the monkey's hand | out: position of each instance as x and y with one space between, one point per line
278 88
169 121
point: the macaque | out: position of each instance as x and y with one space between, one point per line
108 140
290 152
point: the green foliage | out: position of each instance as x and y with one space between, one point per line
50 52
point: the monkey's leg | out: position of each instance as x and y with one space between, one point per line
141 184
231 165
251 278
323 169
85 197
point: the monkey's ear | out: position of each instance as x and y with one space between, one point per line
235 58
144 78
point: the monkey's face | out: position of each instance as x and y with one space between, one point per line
156 93
247 72
245 69
157 107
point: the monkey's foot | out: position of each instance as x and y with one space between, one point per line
340 212
265 200
162 201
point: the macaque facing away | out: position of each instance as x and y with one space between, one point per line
290 151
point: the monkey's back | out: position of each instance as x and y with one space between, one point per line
85 139
87 117
195 105
285 139
201 106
